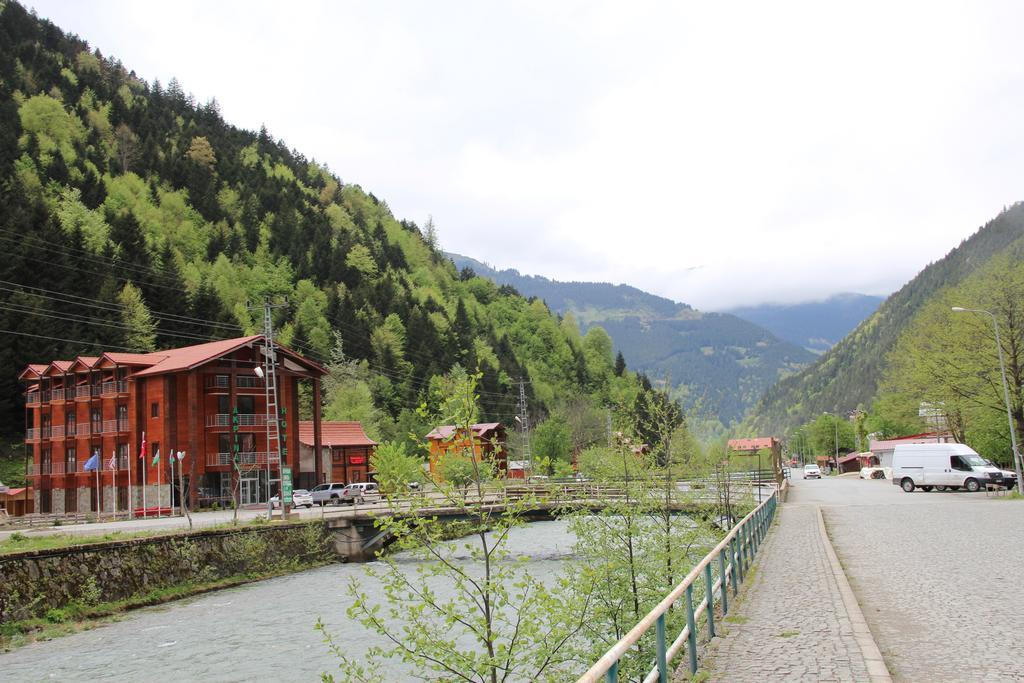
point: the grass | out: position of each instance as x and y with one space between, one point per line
21 542
788 634
737 619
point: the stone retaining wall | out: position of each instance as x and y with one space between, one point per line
34 582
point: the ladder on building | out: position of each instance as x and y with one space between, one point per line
273 414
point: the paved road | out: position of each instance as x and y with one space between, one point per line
937 575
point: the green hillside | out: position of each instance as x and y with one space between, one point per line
718 363
848 375
108 181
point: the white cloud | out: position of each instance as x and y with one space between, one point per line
791 150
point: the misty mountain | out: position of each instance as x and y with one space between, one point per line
718 363
818 325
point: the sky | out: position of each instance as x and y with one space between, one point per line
719 154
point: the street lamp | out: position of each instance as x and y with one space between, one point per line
1006 391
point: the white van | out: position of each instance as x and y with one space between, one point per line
950 465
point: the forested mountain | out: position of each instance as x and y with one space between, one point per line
848 375
132 217
816 325
719 364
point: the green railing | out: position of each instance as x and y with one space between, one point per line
732 557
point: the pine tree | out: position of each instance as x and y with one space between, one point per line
620 364
141 332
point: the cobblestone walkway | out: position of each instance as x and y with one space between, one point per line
795 620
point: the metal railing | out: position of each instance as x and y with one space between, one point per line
56 431
114 426
244 459
733 556
32 398
118 387
33 434
56 394
244 420
83 391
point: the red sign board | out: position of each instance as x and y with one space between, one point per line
357 460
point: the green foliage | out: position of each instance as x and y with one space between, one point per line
396 468
141 335
551 440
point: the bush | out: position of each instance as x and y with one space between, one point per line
57 615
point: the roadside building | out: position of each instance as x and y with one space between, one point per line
345 451
206 401
17 502
488 440
769 447
882 449
855 462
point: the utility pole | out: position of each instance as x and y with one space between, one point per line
270 395
608 426
524 420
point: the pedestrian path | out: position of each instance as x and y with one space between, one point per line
797 619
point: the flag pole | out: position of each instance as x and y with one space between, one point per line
131 505
159 493
113 482
143 458
99 466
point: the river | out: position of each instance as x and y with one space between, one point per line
254 632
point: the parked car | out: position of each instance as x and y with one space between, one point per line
812 472
360 493
327 494
301 498
1009 476
932 465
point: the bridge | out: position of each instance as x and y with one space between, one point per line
357 536
853 580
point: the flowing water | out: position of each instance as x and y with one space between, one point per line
254 632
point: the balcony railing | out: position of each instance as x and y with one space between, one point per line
251 459
76 430
33 434
248 382
32 398
218 381
244 420
84 391
56 395
115 426
119 387
57 432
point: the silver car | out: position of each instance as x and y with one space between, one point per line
301 498
327 494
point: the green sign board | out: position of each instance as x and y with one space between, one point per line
286 485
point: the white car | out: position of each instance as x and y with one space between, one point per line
360 493
301 498
812 472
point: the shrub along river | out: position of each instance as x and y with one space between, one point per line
253 632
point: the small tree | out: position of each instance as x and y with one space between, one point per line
396 468
498 623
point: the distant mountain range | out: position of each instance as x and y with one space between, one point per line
717 362
816 326
848 375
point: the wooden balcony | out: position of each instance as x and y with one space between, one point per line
114 388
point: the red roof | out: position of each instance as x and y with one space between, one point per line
752 444
445 431
335 434
33 371
176 360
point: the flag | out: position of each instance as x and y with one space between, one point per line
92 463
156 458
112 463
142 449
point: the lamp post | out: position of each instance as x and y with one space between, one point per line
1006 390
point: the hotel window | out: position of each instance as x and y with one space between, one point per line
154 409
70 459
96 417
246 405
